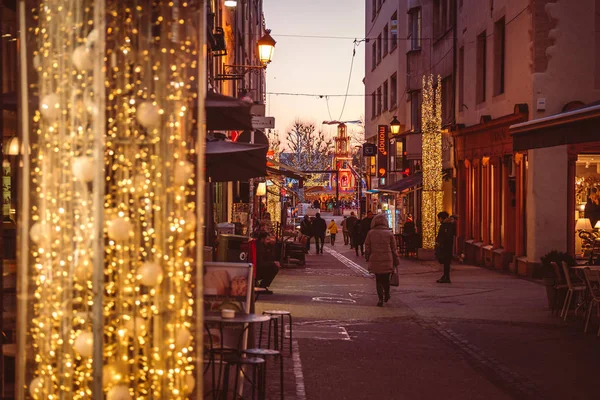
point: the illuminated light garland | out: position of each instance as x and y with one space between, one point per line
149 199
433 196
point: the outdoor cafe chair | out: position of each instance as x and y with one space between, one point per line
592 280
560 285
572 287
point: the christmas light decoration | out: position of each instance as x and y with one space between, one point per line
113 214
432 200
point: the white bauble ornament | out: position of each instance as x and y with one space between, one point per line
184 170
148 115
120 229
92 37
82 58
119 392
110 375
150 274
182 338
190 221
35 387
83 269
84 344
136 326
50 106
38 232
189 383
83 168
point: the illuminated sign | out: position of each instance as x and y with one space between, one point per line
382 151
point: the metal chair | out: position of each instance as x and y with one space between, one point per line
277 316
572 287
592 280
264 353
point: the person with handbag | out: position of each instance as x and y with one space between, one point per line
382 256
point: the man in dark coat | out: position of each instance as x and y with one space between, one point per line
319 227
444 245
306 230
350 222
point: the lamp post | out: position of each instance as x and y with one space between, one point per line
359 183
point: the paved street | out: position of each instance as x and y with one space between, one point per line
486 336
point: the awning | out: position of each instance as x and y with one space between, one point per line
283 172
229 161
403 184
226 113
573 127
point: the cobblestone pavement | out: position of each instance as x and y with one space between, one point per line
488 335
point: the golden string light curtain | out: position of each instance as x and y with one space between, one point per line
113 219
433 196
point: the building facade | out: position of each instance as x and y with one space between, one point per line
519 61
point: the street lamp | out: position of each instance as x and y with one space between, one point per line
395 126
230 3
266 46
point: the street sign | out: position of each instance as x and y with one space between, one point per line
263 122
369 149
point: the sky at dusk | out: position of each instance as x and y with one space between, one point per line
319 66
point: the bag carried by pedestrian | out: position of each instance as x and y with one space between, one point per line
395 278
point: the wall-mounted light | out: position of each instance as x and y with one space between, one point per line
266 46
395 126
261 189
231 3
13 147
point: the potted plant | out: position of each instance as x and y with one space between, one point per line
548 274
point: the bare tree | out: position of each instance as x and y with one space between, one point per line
309 150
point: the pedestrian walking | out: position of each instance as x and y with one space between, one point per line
381 255
350 223
333 230
319 227
444 245
306 230
355 236
363 229
345 231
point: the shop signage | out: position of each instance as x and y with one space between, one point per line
382 151
369 150
263 122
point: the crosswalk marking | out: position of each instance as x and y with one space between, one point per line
349 263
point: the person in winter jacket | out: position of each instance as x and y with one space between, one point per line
363 230
380 248
319 227
444 245
333 230
306 230
350 223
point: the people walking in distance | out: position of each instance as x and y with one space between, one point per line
444 244
380 251
352 220
364 228
306 230
319 227
355 240
345 231
333 230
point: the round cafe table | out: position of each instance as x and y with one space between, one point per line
239 319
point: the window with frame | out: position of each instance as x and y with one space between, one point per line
415 111
385 95
447 112
379 103
398 156
393 32
414 28
374 55
385 40
461 78
481 67
374 9
440 17
499 56
393 91
373 105
379 48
